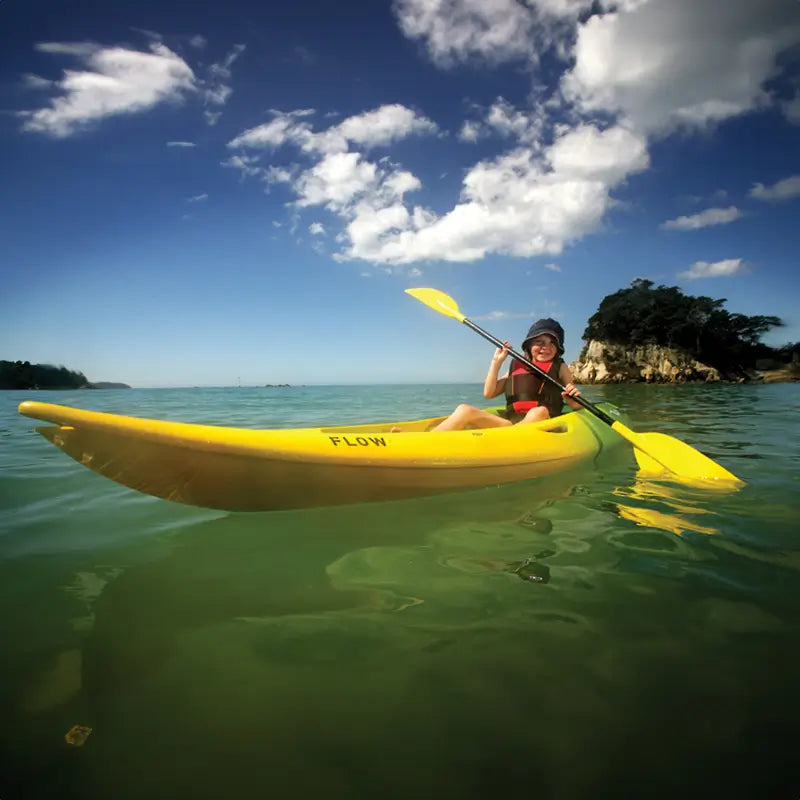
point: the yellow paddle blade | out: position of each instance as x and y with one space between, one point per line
657 452
438 301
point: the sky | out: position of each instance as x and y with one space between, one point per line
213 194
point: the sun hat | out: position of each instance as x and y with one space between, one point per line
548 326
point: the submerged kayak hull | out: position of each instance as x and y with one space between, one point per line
259 470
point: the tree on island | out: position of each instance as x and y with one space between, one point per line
664 315
24 375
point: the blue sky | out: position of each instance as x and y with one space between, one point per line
203 194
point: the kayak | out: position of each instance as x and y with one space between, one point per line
240 469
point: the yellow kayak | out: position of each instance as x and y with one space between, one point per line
239 469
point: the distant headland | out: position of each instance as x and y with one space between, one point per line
24 375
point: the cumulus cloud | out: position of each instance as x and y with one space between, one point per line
518 204
115 80
592 154
502 119
496 30
316 229
381 126
336 181
491 30
670 63
715 269
529 201
782 190
711 216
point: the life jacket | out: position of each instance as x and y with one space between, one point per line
526 389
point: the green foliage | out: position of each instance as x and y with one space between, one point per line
24 375
664 315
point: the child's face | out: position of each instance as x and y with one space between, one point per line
543 348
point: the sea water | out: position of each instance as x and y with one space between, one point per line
592 634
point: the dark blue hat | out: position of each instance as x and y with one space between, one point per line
549 326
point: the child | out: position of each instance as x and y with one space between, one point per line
529 396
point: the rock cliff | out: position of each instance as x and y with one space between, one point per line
603 362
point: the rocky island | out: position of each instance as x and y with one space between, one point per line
660 335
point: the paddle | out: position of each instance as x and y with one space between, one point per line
654 452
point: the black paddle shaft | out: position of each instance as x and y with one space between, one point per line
585 403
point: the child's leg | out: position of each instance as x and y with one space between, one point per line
535 415
466 415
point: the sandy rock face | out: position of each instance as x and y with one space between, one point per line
604 362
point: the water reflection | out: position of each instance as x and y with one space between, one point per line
678 502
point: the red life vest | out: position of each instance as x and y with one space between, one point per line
526 389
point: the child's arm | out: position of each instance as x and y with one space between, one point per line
565 377
493 385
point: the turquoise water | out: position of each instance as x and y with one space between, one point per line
584 635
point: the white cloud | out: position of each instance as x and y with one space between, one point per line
517 204
283 128
496 30
381 126
181 144
248 165
502 119
217 88
586 152
198 198
529 201
470 132
711 216
553 267
490 30
506 120
116 81
782 190
716 269
316 229
198 41
336 181
371 225
669 63
278 175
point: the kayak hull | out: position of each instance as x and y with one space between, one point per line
259 470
